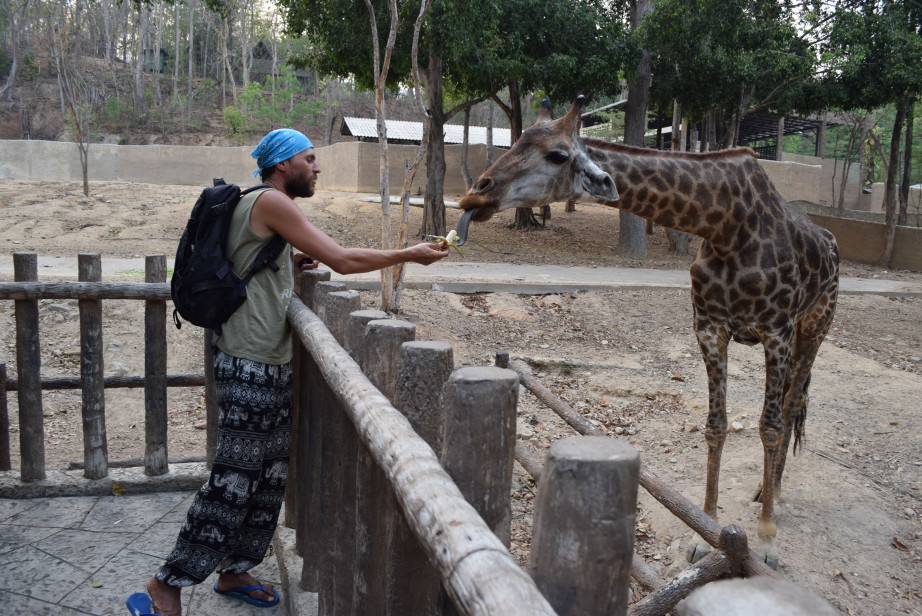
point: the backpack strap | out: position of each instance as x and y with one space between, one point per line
270 252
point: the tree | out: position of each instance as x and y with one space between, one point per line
729 58
632 240
875 47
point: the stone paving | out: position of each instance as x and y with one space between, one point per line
84 555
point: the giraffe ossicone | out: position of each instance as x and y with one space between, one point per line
764 273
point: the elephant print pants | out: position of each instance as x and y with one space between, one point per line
232 519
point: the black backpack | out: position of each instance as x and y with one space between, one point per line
205 289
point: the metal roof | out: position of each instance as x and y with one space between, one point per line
412 132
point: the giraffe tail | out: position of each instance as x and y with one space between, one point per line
801 420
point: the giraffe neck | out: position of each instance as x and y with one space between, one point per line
707 195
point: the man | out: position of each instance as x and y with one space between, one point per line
232 519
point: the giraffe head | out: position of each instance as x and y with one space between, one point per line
548 163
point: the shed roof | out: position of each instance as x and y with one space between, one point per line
412 132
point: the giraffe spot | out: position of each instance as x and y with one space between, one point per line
713 217
658 183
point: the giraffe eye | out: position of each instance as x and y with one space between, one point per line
558 157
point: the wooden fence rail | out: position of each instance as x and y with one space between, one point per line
732 556
396 511
419 498
28 383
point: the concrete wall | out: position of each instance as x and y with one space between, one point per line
353 167
813 179
864 241
347 166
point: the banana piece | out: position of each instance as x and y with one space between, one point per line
449 240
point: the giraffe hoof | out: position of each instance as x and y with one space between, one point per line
771 557
697 550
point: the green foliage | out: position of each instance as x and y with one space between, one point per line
280 102
115 115
721 54
235 119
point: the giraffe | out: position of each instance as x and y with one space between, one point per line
764 273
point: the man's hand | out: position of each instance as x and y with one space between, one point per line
304 262
427 252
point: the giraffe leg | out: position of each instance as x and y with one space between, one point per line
772 432
713 343
810 336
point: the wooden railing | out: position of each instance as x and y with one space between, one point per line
29 384
399 487
408 511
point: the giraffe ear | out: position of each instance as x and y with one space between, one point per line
593 181
544 112
574 118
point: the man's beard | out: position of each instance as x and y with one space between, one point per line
300 186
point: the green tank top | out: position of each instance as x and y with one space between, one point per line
258 330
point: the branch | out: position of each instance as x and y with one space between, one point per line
466 105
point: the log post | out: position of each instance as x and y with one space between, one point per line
422 371
340 450
376 506
314 402
5 460
339 305
479 444
304 284
321 290
583 538
212 412
92 373
28 369
155 453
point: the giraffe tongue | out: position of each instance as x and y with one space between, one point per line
463 223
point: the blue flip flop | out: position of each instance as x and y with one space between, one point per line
139 604
241 593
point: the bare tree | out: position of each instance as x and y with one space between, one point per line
13 13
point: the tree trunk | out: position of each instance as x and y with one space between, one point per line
632 239
175 90
491 111
434 212
139 59
524 216
468 180
890 205
191 66
331 114
907 163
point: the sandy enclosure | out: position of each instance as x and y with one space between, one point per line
849 518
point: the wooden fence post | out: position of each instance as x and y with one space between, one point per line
339 453
376 506
321 290
5 460
479 446
28 368
155 453
212 412
423 370
583 539
304 284
314 404
92 373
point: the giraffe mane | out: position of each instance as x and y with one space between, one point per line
639 151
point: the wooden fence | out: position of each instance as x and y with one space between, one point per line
396 511
28 383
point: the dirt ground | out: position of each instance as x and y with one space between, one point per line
849 519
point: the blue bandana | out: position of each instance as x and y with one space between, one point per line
277 146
